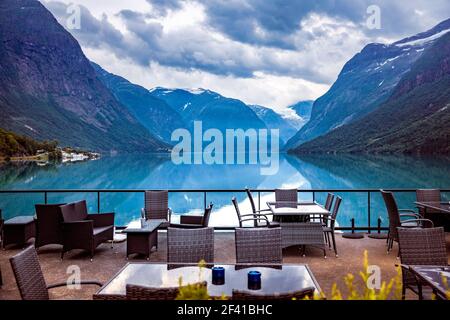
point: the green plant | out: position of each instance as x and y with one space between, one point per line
391 289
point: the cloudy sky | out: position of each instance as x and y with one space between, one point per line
268 52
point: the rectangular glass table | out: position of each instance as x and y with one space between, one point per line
434 276
274 279
443 207
438 212
301 223
142 236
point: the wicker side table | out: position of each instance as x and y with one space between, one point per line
18 230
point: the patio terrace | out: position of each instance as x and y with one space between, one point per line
108 261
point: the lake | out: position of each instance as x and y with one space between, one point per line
150 171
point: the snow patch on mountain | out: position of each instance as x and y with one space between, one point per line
423 41
29 128
196 90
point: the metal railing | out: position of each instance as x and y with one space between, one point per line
369 227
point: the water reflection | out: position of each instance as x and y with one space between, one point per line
158 172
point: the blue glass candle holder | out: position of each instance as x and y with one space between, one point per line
218 275
254 280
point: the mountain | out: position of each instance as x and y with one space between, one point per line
274 120
153 113
303 109
49 90
365 82
302 113
415 118
214 110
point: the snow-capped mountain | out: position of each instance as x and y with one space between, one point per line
274 120
415 118
213 109
300 113
49 90
365 82
153 113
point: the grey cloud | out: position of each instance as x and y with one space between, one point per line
93 32
162 6
261 29
279 18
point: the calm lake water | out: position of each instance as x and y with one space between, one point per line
158 172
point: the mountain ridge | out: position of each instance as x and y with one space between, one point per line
365 82
50 91
213 109
153 113
413 120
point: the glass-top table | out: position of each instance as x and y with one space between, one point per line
143 226
438 212
436 206
296 209
434 276
142 236
274 279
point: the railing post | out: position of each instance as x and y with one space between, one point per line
98 201
204 200
259 200
45 197
368 210
314 196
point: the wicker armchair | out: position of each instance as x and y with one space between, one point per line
135 292
295 295
260 220
420 247
395 218
327 206
85 231
286 198
192 222
29 277
157 206
190 245
258 245
256 213
428 195
329 201
48 225
328 229
432 195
